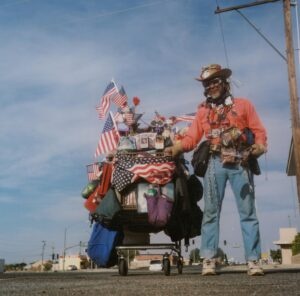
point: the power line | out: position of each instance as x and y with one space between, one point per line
261 34
115 12
223 37
14 3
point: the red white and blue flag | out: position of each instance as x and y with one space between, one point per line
109 138
155 173
184 118
93 171
129 118
120 99
110 91
156 170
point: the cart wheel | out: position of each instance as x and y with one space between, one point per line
179 266
166 266
123 267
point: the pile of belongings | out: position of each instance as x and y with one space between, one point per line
138 188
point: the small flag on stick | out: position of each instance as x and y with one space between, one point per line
109 138
110 91
120 99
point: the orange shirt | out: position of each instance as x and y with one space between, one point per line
241 115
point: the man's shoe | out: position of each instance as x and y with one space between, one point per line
209 267
254 268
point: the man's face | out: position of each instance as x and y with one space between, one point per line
214 88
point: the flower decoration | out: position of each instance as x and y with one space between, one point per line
136 101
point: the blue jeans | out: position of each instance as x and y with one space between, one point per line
241 181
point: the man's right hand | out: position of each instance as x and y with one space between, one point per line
174 150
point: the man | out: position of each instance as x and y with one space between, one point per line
224 120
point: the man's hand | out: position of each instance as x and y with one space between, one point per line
174 150
258 149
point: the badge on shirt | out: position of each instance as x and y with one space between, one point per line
215 132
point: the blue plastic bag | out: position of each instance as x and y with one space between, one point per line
102 243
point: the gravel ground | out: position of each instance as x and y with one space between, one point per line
143 282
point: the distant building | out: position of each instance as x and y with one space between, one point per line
286 238
69 260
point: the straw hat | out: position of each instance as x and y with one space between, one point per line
213 71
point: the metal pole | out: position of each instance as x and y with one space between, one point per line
294 104
64 253
43 251
80 245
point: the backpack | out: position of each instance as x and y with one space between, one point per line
102 243
108 209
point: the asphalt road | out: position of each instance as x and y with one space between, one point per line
142 282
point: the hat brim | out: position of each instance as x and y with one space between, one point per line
224 73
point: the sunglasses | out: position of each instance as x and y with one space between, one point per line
212 83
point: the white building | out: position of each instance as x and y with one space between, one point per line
286 238
69 260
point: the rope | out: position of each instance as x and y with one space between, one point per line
235 82
223 37
266 162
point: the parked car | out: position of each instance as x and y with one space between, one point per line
155 265
72 267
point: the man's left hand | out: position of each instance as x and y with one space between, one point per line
258 149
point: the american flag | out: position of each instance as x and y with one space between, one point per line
158 170
158 173
109 93
129 118
118 117
184 118
120 99
158 116
93 171
109 138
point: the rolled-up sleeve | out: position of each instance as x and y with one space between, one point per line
194 133
256 125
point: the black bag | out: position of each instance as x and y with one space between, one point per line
200 158
252 160
254 165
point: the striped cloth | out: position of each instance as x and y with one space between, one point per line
156 170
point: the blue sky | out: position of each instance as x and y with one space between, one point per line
56 58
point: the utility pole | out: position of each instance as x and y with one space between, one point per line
43 252
64 253
53 255
294 104
80 245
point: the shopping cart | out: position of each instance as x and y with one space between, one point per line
134 217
